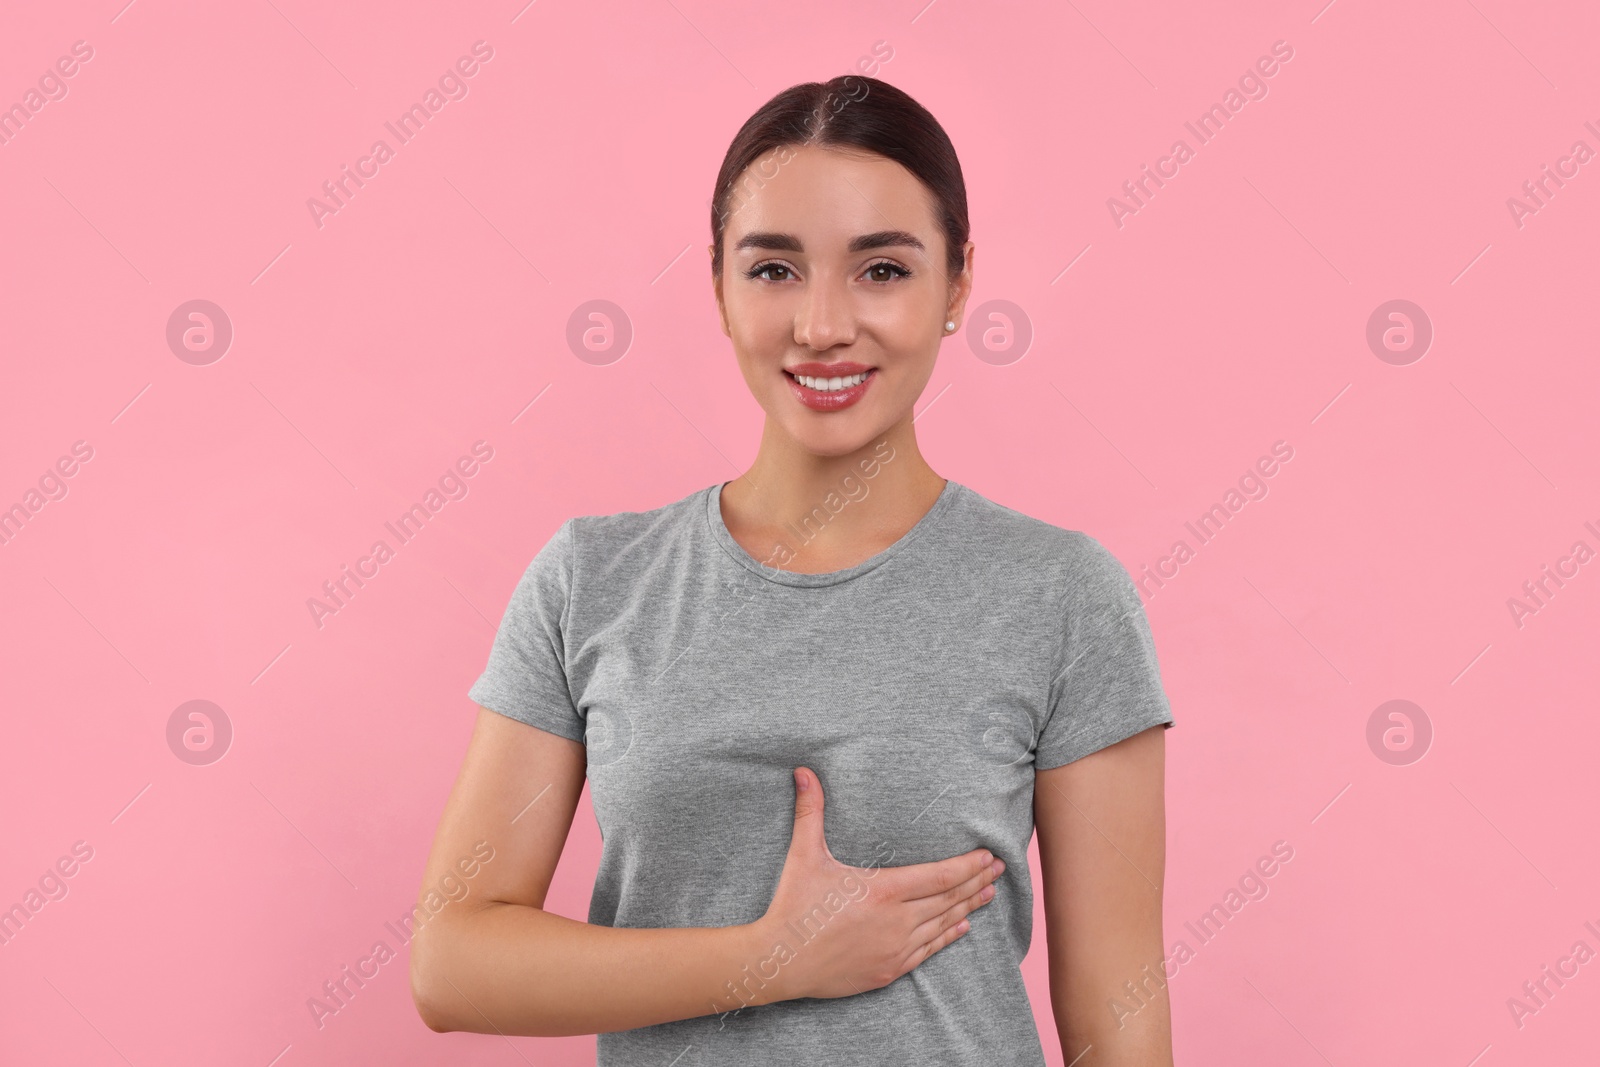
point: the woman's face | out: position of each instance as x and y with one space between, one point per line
834 266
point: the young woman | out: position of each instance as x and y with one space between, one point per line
822 707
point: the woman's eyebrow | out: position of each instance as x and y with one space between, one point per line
789 243
885 239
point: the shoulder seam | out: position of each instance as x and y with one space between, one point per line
570 530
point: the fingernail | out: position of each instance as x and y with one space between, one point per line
800 782
988 892
987 856
999 868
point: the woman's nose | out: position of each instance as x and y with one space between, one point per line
825 318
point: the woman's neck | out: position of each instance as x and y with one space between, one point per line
817 514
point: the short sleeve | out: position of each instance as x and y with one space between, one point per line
526 677
1107 685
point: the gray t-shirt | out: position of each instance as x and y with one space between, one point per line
924 687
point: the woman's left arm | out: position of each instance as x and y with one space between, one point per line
1101 822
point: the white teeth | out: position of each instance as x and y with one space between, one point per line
829 385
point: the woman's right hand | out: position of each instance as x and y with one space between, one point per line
890 919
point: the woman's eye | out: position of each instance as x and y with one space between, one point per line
878 272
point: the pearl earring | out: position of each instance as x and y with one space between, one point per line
949 326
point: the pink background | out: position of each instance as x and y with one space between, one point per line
431 311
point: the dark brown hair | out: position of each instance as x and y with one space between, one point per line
850 111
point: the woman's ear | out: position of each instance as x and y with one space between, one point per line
716 288
961 285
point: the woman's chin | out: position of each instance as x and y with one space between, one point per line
838 439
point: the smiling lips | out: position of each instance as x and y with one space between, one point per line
829 386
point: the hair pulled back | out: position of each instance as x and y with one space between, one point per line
850 111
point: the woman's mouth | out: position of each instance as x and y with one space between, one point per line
830 394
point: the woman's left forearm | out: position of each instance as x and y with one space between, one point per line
1114 1027
1102 854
